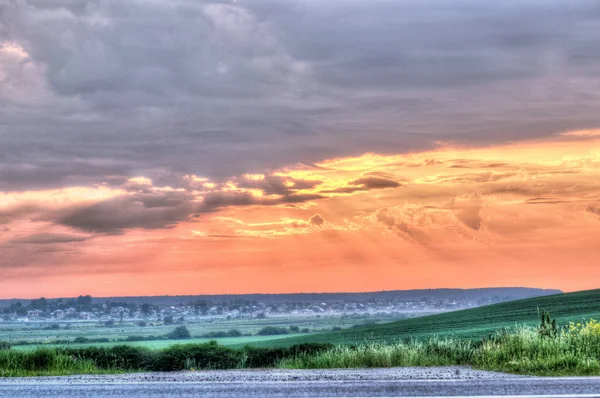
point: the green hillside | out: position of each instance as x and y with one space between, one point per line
468 324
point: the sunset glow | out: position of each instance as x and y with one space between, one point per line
370 222
195 147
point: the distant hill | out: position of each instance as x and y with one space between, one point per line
496 294
472 323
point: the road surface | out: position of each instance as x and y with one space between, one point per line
411 382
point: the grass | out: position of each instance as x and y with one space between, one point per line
523 351
120 359
158 344
45 362
473 324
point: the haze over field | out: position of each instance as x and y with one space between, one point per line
209 147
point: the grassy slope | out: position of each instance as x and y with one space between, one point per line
469 324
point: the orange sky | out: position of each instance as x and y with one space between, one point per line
523 214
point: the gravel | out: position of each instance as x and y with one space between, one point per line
274 375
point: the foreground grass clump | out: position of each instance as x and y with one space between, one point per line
572 351
119 359
44 362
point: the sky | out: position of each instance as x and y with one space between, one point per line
240 146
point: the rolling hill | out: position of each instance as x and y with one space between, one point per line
468 324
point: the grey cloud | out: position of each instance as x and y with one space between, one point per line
375 183
115 215
221 88
275 185
49 239
316 220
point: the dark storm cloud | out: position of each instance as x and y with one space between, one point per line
112 89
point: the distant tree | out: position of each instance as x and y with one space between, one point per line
142 323
168 320
294 329
305 330
261 315
179 333
146 309
84 301
110 322
39 304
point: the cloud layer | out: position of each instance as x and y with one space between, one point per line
181 137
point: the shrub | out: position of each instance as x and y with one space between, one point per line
271 331
305 330
294 329
179 333
118 357
198 356
4 345
256 357
234 333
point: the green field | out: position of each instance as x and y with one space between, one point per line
466 324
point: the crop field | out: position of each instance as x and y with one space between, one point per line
40 332
466 324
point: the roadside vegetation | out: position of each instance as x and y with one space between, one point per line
547 349
121 359
544 351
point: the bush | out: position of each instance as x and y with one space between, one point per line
272 331
179 333
268 357
196 356
4 345
118 357
294 329
234 333
305 330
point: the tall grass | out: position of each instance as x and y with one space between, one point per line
119 359
44 362
522 351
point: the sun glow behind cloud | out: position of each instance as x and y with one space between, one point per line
498 214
